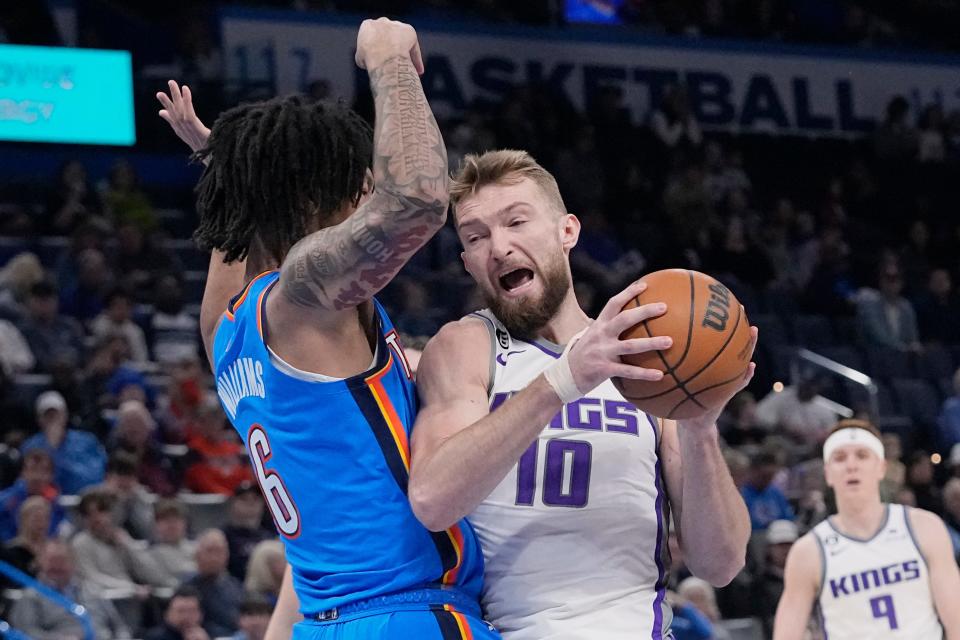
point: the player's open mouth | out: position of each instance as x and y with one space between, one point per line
515 280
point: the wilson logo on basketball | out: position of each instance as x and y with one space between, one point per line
718 308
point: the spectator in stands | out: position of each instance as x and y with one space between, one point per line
938 310
124 201
686 202
16 280
78 457
830 289
795 411
895 140
86 299
15 354
265 570
117 318
244 528
16 418
931 143
888 319
673 124
896 474
921 481
36 479
107 557
700 594
739 423
174 334
915 257
688 623
72 202
85 236
133 509
182 619
220 593
219 462
43 619
135 433
768 586
171 549
33 530
951 513
139 262
254 617
765 501
181 404
48 333
107 356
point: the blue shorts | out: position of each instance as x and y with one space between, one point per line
424 614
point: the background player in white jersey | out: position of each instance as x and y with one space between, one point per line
874 570
574 534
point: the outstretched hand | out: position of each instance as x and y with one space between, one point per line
596 355
178 112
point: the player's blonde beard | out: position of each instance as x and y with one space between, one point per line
525 316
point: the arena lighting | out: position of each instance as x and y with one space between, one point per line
778 387
59 94
936 458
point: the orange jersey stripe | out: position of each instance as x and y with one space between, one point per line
462 624
456 537
243 296
389 413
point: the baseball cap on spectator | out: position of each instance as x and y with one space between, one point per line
50 400
782 531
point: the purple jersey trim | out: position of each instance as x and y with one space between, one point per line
657 633
534 343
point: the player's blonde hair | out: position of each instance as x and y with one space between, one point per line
505 166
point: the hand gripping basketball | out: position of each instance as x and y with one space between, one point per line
595 356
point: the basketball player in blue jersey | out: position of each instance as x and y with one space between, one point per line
567 484
873 570
307 364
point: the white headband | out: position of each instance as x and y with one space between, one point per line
852 435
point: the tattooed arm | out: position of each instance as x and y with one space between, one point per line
341 266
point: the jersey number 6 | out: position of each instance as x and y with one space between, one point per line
284 512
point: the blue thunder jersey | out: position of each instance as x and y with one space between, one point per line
332 459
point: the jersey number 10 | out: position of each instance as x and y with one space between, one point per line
566 474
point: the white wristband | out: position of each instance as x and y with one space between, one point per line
560 377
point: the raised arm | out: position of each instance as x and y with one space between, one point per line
800 583
934 542
341 266
223 280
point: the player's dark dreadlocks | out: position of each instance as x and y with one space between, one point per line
274 166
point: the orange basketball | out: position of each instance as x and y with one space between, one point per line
711 345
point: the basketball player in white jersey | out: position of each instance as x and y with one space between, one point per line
574 534
873 570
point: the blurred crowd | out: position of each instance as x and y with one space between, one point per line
123 486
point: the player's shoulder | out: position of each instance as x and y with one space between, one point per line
463 343
926 526
805 560
805 552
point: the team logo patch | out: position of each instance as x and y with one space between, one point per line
503 339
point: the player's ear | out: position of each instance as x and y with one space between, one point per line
569 231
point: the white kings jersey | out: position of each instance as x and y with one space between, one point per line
877 588
574 537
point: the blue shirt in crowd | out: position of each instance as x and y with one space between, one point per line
78 462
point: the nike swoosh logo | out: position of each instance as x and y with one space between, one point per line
502 358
